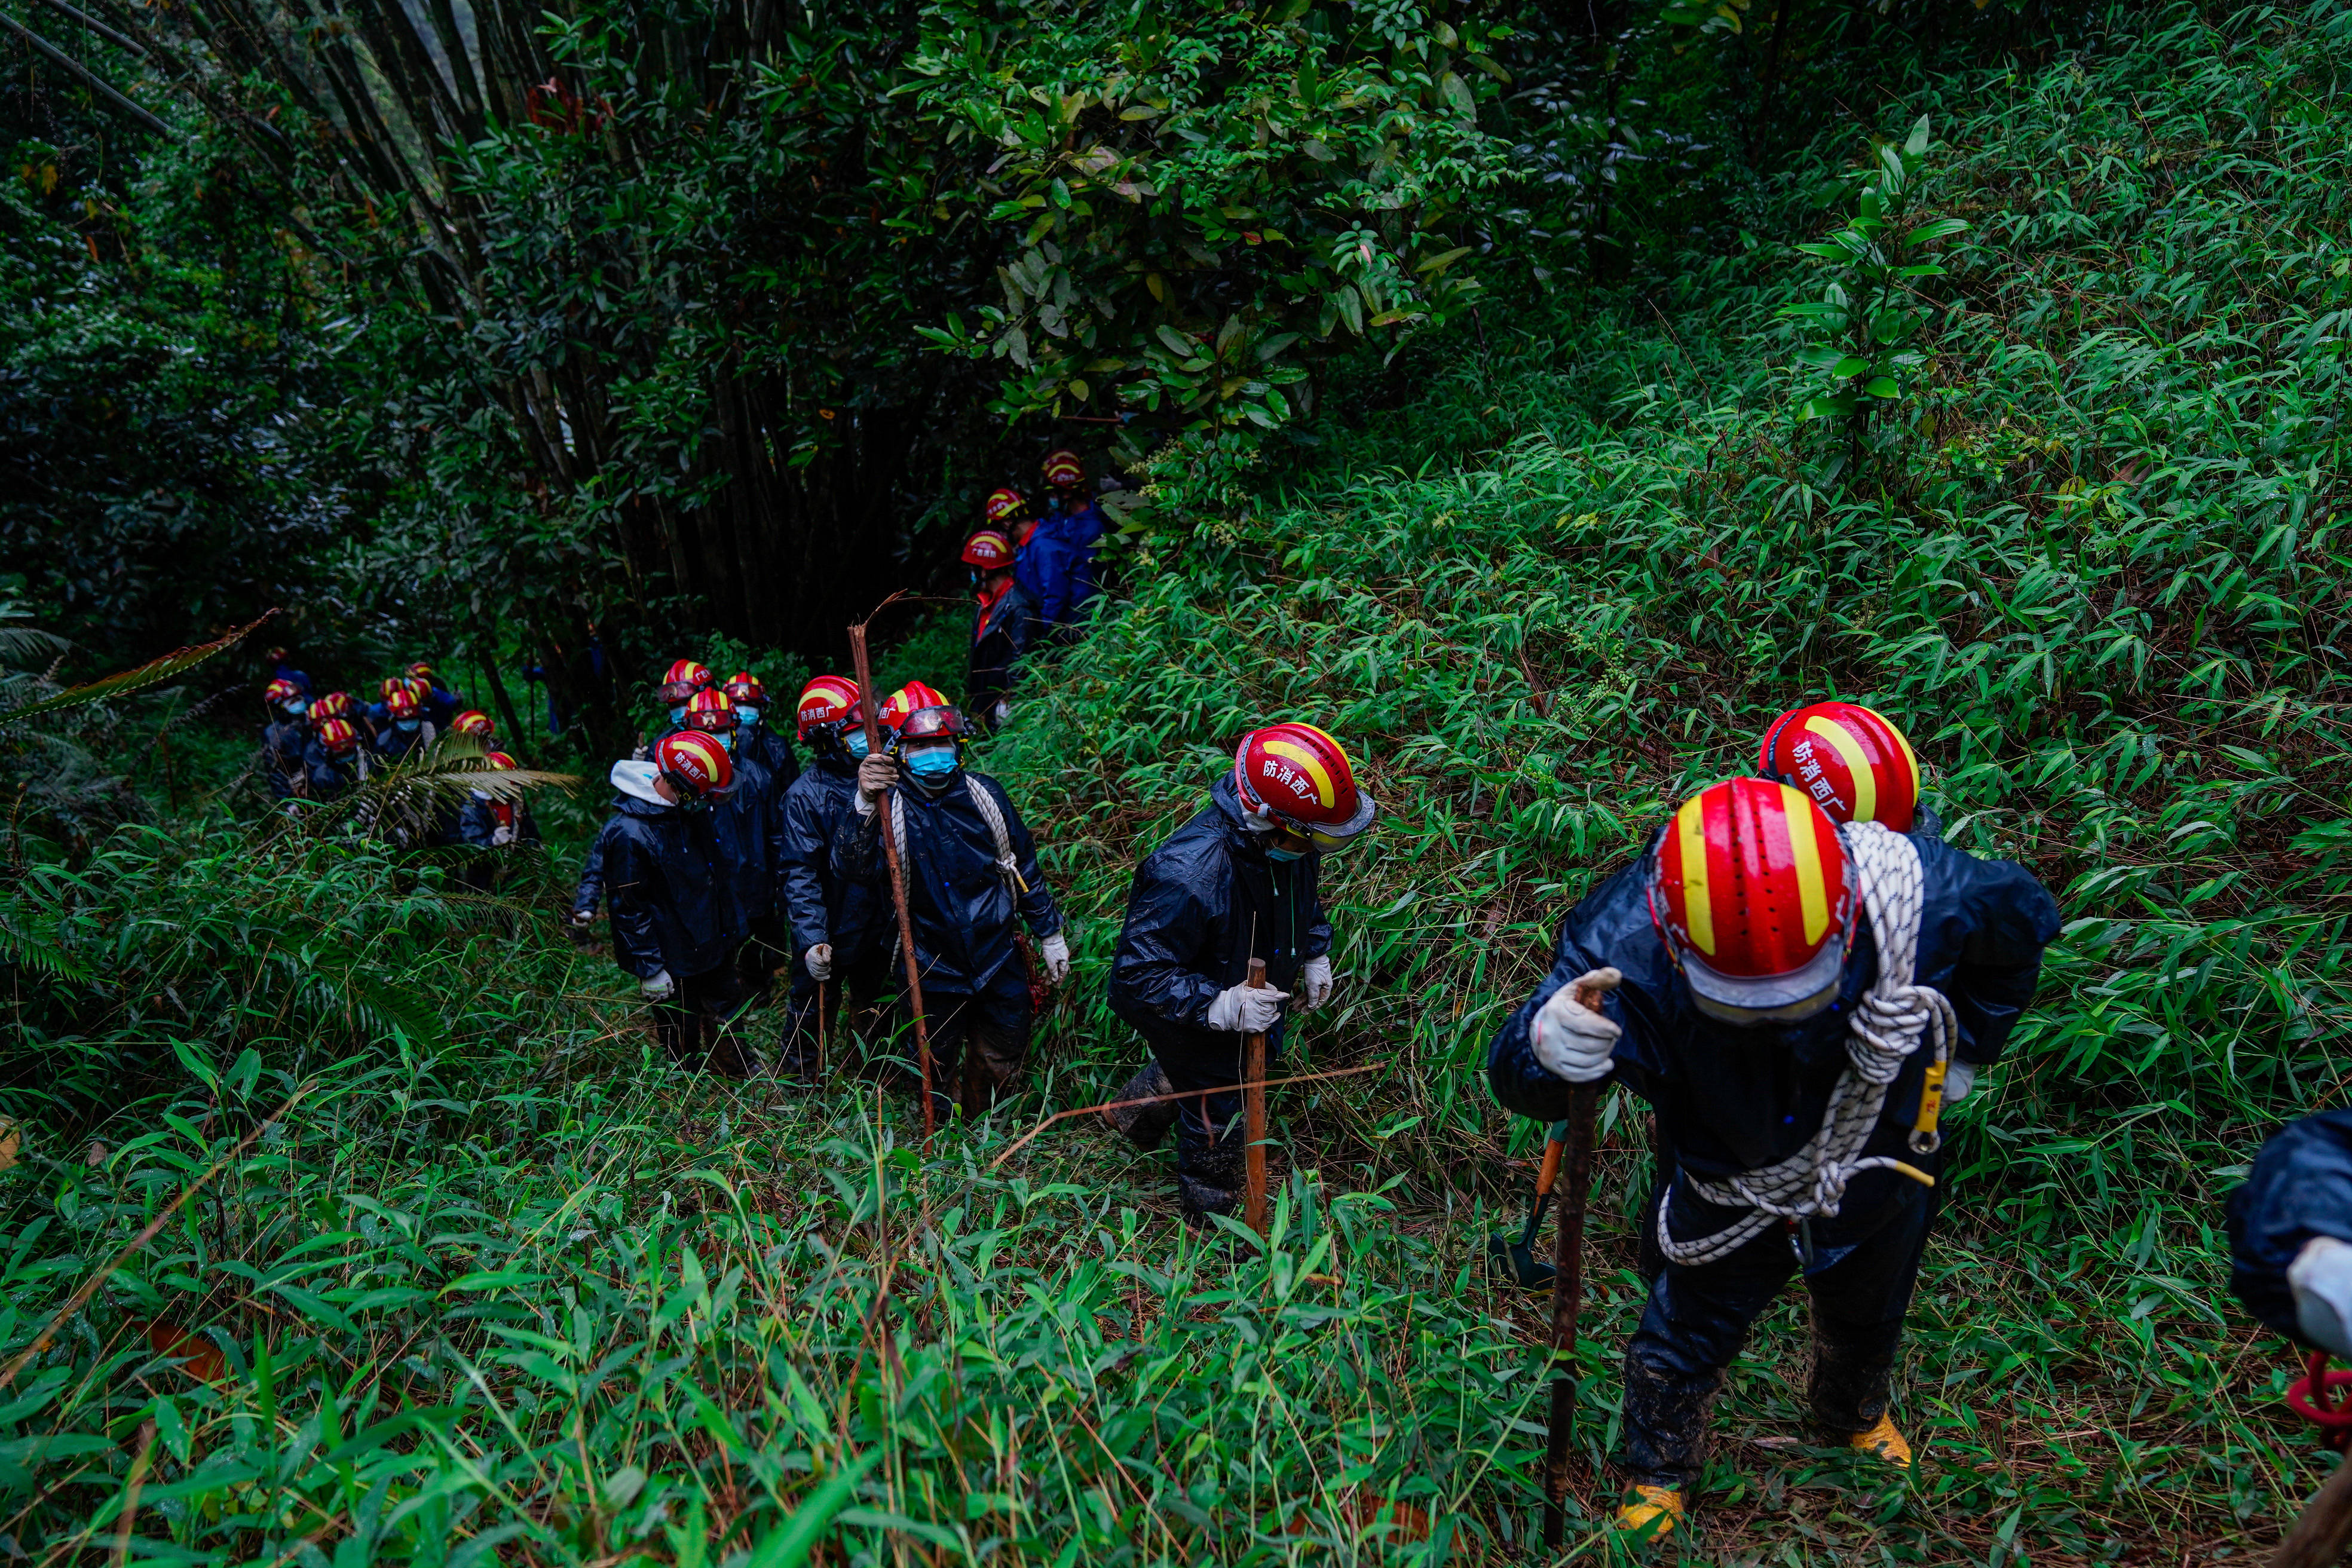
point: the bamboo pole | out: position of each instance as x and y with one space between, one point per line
1254 1111
869 702
1575 1191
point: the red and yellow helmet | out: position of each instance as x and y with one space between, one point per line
1850 760
498 761
904 700
422 671
743 689
685 679
988 550
390 684
338 737
278 693
398 704
710 710
473 722
333 705
1300 777
1750 888
695 765
1003 506
419 688
827 700
1062 470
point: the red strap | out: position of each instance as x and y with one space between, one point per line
2320 1396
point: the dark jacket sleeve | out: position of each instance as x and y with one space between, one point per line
1167 922
477 820
1037 907
1599 931
2300 1187
2013 918
857 847
1319 924
590 891
632 883
802 855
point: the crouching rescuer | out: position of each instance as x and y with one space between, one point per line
1799 1002
971 872
1238 881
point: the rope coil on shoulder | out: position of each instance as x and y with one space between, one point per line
1887 1027
1008 868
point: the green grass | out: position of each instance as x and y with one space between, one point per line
524 1291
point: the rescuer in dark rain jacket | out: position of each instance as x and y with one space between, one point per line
335 759
999 634
840 931
2291 1234
1075 520
1798 1001
1236 882
676 922
755 738
405 733
971 871
750 823
284 738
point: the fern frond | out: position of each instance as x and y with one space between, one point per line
154 672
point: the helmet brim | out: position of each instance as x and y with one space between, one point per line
1329 836
1770 998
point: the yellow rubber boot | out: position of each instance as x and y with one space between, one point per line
1885 1441
1653 1514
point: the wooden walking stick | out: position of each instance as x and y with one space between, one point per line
869 702
1575 1191
2322 1530
1254 1111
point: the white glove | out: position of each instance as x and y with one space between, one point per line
502 835
2321 1279
1246 1012
1316 981
1959 1079
819 960
1057 951
1572 1040
877 776
657 988
1002 715
583 919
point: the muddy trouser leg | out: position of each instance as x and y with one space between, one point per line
1210 1148
716 997
804 1026
765 950
679 1027
1695 1321
1145 1126
1859 1304
992 1042
948 1021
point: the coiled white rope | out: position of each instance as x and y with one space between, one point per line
1894 1015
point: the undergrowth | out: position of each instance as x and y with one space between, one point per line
494 1282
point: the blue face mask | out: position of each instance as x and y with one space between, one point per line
854 743
296 709
1285 855
935 763
407 726
747 716
725 738
677 714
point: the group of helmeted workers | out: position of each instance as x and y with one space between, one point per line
318 749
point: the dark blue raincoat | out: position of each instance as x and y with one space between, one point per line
670 887
2300 1187
960 905
1732 1100
1202 906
